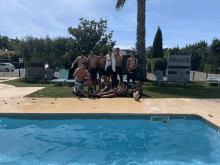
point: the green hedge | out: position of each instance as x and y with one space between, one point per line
148 66
155 64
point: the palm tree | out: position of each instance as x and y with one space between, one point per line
141 51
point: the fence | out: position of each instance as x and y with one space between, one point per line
22 73
194 76
13 74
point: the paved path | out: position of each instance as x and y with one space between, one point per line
12 101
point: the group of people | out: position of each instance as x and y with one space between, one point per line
109 66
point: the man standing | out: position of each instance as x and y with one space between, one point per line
119 59
110 67
131 66
80 59
93 63
102 62
80 75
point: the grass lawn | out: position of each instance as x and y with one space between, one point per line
195 89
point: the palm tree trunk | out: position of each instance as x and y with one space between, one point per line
141 52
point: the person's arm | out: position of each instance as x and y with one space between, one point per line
105 89
88 75
76 72
100 83
134 87
88 58
129 70
128 63
105 60
121 59
88 62
74 63
97 62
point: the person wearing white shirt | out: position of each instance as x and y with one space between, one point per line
110 67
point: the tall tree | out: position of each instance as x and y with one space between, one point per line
88 37
1 42
13 44
5 41
141 51
149 52
165 57
158 45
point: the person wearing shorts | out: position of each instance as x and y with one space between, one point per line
93 65
81 81
102 62
79 85
131 66
119 59
137 90
118 91
104 86
102 72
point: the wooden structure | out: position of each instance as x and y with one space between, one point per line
176 64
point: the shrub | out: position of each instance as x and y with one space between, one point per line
157 64
148 66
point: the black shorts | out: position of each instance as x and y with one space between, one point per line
132 76
102 72
118 70
93 73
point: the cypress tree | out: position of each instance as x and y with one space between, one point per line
157 51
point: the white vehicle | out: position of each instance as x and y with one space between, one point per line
6 67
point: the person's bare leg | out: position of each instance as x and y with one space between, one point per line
104 90
76 93
141 90
96 92
95 84
99 82
106 93
89 84
85 94
109 95
128 81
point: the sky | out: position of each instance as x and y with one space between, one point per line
181 21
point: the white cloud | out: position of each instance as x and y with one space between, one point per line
123 47
167 46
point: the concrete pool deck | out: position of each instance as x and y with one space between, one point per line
12 101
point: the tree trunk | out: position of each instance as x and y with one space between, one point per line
141 52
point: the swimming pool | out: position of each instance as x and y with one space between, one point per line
107 139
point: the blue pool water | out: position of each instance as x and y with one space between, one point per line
111 142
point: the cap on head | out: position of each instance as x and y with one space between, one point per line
91 52
117 49
133 51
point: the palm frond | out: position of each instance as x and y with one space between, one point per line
120 4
